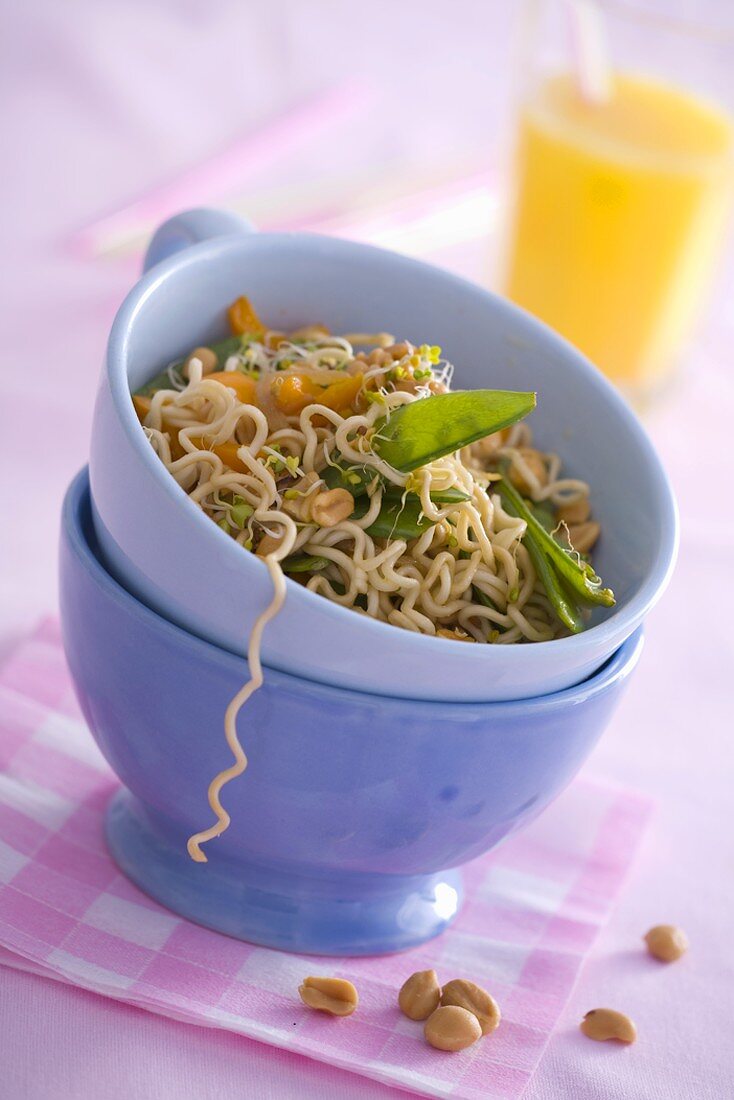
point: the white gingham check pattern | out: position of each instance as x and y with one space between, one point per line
532 912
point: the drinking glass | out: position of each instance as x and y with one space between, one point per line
623 176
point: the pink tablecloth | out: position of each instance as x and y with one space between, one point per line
532 911
107 98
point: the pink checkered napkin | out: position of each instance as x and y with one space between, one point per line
532 912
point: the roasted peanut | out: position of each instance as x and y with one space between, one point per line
666 942
300 506
268 545
332 507
606 1023
475 1000
452 1028
379 358
583 536
368 339
309 332
206 357
336 996
398 351
488 447
419 995
535 465
577 511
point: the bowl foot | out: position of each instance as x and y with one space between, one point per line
320 913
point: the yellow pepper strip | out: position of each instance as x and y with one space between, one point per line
243 319
243 386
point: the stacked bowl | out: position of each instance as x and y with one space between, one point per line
379 760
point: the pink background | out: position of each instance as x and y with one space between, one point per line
104 100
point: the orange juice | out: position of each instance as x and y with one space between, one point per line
619 209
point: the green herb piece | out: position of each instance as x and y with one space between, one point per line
240 512
449 496
224 525
354 478
374 397
424 430
304 564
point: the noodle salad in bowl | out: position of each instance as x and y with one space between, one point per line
359 474
347 463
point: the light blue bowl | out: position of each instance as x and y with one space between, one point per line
353 806
165 551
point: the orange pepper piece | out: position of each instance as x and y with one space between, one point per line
298 390
294 392
243 386
243 319
228 454
340 396
226 451
142 406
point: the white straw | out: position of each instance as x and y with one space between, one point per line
589 50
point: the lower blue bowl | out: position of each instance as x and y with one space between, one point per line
355 812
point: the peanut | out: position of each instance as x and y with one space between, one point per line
666 942
268 545
419 995
398 351
606 1023
336 996
576 511
379 358
452 1028
332 507
488 447
475 1000
300 507
206 357
535 465
583 536
457 635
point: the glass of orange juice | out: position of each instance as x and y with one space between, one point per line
623 178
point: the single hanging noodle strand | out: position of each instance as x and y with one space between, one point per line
230 718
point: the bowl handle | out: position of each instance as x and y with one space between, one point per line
192 227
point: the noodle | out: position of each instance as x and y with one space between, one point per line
230 717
